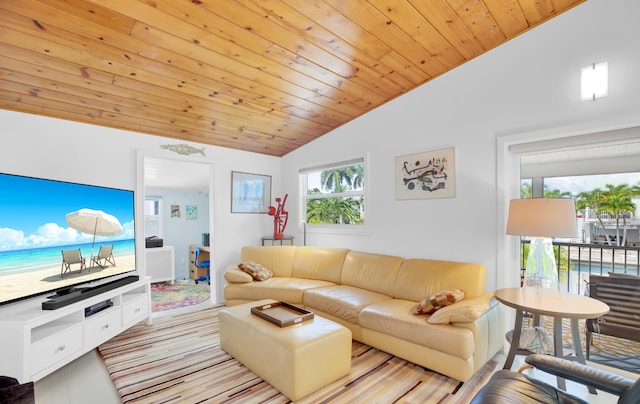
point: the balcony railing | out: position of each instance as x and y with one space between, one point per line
576 261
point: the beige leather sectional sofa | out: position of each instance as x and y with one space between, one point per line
375 296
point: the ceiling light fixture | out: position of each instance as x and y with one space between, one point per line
595 81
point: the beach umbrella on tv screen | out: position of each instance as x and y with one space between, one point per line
94 222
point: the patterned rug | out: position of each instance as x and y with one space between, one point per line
178 359
167 296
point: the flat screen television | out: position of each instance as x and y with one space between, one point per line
39 220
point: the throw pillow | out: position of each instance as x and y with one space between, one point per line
463 312
257 271
234 275
443 298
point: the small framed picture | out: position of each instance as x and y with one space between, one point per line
191 212
175 210
250 193
426 175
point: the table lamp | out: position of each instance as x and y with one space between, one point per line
541 219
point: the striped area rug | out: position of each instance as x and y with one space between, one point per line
178 360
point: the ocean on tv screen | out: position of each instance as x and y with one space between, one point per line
35 259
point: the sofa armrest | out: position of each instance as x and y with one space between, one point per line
464 311
577 372
233 274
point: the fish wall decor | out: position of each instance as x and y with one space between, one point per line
183 149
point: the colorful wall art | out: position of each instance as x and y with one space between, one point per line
426 175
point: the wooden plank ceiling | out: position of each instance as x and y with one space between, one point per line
265 76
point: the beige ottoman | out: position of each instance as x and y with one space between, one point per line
297 360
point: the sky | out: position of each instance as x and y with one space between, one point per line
577 184
32 211
313 180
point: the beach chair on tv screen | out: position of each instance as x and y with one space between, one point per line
105 256
71 257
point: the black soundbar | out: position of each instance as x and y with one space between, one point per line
56 302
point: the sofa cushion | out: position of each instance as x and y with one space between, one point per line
439 300
373 272
344 302
395 317
465 311
288 290
278 259
320 263
418 278
257 271
236 275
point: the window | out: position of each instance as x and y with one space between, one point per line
153 216
526 188
333 194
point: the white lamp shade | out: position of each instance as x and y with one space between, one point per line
594 81
542 217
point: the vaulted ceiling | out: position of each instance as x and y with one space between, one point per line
265 76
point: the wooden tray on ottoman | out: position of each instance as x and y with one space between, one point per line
282 314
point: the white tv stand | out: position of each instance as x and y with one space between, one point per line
36 342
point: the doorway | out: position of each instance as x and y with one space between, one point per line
182 186
511 152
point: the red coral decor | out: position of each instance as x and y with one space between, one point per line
280 217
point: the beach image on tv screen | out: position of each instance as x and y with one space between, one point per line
52 232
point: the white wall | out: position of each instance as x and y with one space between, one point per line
530 84
51 148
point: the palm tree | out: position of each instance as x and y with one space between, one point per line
617 201
342 209
525 190
357 179
556 193
593 200
333 210
318 212
351 176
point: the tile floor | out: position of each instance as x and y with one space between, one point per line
86 379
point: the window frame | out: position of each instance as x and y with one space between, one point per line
154 218
331 164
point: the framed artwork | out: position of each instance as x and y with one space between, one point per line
175 210
191 212
426 175
250 193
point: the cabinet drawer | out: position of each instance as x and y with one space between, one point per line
135 310
50 350
197 273
101 327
